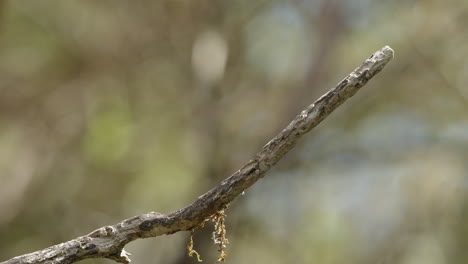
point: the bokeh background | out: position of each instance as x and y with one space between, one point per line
109 109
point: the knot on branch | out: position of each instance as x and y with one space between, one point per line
103 232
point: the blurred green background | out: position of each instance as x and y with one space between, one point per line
109 109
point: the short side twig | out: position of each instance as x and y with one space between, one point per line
109 241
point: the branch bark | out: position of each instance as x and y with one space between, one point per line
109 241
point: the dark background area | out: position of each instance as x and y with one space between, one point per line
110 109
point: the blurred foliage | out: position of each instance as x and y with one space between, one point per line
110 109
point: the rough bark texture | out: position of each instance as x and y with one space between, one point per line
109 241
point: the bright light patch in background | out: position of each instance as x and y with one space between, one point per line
209 57
278 44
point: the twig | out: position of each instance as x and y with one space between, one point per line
109 241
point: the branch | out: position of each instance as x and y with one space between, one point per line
109 241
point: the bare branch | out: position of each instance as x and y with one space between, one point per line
109 241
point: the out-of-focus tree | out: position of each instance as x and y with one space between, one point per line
110 109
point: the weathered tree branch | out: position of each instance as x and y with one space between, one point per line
109 241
